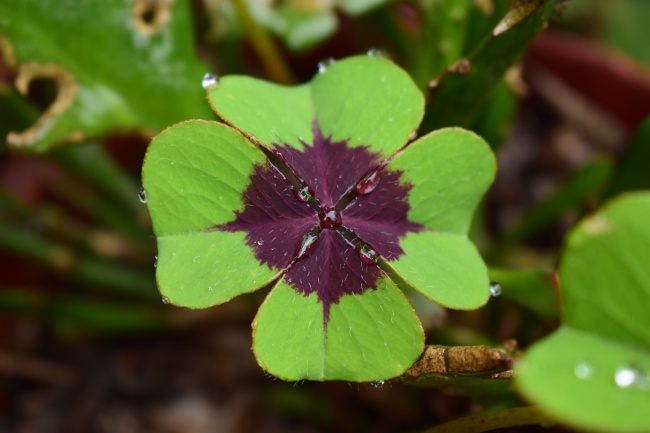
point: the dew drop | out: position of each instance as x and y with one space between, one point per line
324 64
329 219
210 288
495 288
627 376
142 195
165 300
369 184
209 81
583 371
302 194
155 261
306 246
260 242
367 255
377 383
374 52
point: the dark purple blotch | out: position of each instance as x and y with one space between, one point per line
329 168
333 269
277 223
379 217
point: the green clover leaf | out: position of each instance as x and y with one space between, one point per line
594 372
316 189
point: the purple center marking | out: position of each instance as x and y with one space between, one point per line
286 233
329 219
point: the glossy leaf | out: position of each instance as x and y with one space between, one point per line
572 376
364 99
599 358
371 336
450 170
134 66
194 175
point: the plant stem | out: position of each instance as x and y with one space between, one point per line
492 420
273 62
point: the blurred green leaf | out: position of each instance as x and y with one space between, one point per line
117 65
301 24
462 90
594 372
80 316
15 113
497 118
632 173
443 38
72 316
302 29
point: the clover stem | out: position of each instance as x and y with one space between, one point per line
263 43
492 420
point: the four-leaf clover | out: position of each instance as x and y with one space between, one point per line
317 189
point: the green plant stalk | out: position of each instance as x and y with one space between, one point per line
492 420
271 57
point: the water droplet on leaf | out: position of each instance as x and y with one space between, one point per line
209 81
369 184
306 246
367 254
142 195
495 288
377 383
627 376
329 219
302 194
155 261
324 64
210 288
374 52
165 300
583 371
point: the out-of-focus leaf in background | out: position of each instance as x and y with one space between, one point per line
593 373
119 65
460 91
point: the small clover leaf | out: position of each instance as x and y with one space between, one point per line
315 189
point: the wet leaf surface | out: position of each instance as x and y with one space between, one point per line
599 357
309 193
